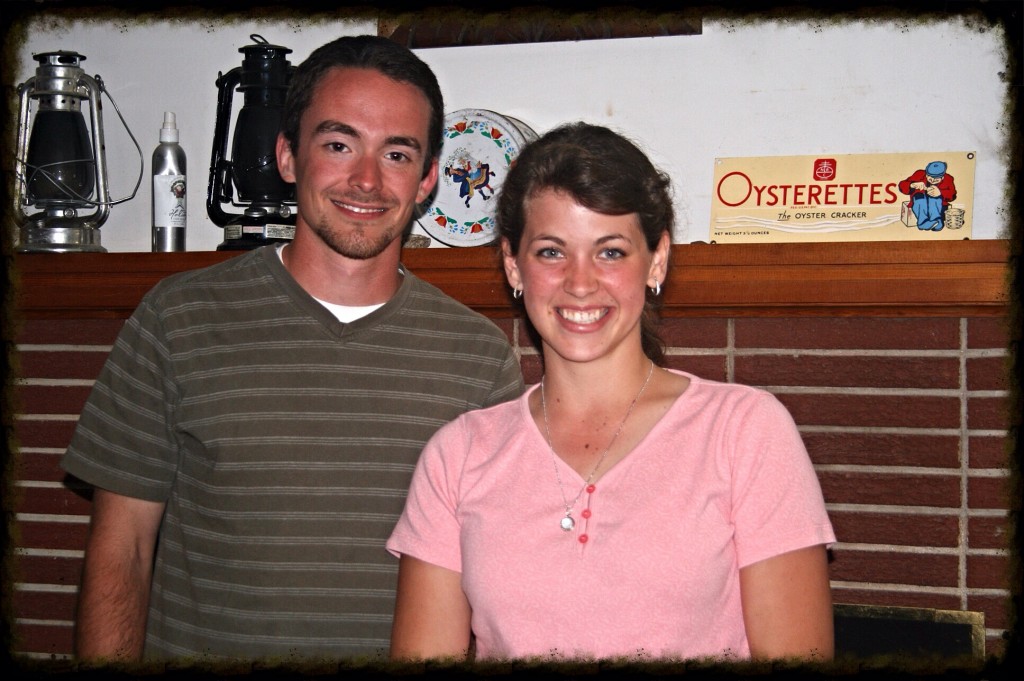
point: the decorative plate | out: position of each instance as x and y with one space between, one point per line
479 147
527 131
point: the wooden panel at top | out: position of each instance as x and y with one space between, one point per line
944 278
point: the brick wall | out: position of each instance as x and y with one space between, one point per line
905 420
891 357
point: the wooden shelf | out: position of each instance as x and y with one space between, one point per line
942 278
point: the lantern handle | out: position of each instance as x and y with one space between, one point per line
142 168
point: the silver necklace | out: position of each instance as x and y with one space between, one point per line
568 522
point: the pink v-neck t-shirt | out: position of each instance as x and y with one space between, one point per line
651 569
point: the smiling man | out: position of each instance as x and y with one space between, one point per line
360 161
252 436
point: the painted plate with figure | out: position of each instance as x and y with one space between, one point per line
479 147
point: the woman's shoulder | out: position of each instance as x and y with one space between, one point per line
721 397
493 420
476 438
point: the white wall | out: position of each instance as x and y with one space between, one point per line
738 89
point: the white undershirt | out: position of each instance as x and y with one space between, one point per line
344 313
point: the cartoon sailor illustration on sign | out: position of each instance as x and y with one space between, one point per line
852 197
931 189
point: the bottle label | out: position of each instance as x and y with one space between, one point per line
169 201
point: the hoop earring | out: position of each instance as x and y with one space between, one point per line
517 293
656 289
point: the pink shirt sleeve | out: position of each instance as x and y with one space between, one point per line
776 504
429 527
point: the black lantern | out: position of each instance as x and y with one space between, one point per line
61 167
267 200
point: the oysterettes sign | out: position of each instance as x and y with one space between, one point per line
852 197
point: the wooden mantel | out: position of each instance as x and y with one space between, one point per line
940 278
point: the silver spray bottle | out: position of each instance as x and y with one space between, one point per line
169 211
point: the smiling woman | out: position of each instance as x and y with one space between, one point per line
586 273
537 527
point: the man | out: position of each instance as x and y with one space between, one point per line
253 433
931 189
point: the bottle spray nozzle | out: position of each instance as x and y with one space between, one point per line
169 131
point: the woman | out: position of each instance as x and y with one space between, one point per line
617 509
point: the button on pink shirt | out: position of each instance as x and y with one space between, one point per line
651 569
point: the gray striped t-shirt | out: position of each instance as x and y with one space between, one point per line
283 443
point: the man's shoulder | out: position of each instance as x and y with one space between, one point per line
424 297
238 270
440 320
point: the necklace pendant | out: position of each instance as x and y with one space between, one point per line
568 523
